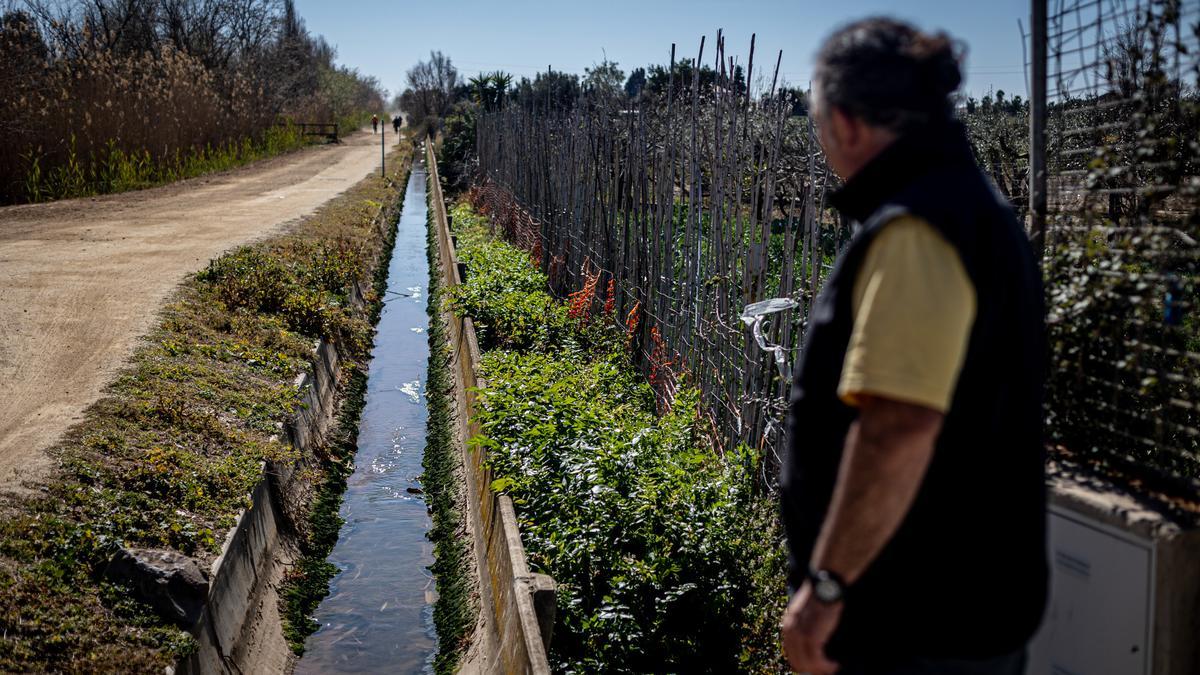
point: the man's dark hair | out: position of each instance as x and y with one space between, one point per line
889 73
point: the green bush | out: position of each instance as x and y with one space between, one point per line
308 293
667 557
648 532
504 294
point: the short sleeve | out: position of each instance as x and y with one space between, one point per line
914 306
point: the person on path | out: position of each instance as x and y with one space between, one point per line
396 122
374 124
912 486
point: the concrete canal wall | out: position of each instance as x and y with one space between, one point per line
240 629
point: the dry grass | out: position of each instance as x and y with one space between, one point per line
80 116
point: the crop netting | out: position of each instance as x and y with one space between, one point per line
1123 234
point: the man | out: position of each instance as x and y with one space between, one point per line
397 121
913 486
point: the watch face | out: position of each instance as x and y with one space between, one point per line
827 590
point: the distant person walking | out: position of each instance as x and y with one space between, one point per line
913 482
374 124
397 121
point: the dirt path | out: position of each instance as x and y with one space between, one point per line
81 279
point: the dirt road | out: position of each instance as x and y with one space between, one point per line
80 280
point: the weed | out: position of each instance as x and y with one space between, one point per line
452 612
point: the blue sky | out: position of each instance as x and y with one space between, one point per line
385 39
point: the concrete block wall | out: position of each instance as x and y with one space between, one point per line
520 605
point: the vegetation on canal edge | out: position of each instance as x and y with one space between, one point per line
167 458
307 583
667 557
453 615
112 96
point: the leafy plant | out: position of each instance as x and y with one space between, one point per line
505 296
667 558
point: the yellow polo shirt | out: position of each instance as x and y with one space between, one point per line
914 306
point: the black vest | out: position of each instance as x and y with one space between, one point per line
965 575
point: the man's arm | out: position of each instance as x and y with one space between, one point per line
913 314
887 452
884 461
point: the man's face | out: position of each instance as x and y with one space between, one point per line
827 135
849 142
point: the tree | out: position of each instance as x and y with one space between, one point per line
549 90
489 90
684 72
431 91
604 80
797 97
635 83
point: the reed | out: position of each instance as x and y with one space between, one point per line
88 114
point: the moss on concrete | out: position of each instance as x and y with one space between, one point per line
453 614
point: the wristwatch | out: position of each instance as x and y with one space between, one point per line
828 587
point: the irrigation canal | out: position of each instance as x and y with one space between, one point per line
379 614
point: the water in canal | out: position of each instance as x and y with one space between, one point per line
378 617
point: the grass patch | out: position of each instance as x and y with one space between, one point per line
453 615
168 456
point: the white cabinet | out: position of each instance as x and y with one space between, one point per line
1100 614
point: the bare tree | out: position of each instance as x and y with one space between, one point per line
431 90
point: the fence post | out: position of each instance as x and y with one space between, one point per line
383 152
1037 127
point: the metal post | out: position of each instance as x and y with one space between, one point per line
383 152
1037 127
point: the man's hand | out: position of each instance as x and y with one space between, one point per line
808 624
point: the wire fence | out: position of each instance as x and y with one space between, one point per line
699 220
1123 235
678 213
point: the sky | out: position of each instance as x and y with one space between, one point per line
523 38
